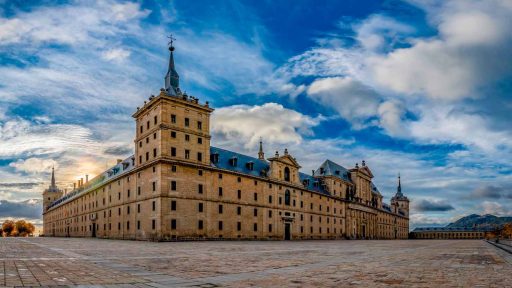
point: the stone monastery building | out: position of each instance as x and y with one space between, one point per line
177 186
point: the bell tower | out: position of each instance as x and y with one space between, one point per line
399 201
52 193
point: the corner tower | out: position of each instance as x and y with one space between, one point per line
52 193
399 201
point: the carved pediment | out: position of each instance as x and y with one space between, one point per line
287 160
366 171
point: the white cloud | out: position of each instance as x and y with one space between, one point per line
390 118
20 137
34 165
353 100
467 54
116 54
244 125
495 208
69 24
379 31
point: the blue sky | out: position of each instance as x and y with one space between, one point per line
420 88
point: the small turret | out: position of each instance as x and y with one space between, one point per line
399 202
52 193
261 155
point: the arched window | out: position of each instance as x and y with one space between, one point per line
287 197
287 174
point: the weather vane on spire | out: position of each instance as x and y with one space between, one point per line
171 41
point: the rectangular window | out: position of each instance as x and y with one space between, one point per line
187 154
173 205
200 225
239 192
200 188
138 208
187 122
147 124
154 186
239 210
173 151
173 185
199 125
270 199
119 226
269 213
200 172
147 156
220 191
187 137
153 224
239 226
173 168
220 225
141 128
119 211
255 196
140 159
255 212
128 210
280 200
221 209
269 227
156 119
138 190
138 225
255 227
173 118
128 225
154 205
199 140
173 224
220 176
128 193
199 156
154 152
200 207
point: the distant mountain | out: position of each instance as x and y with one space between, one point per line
479 221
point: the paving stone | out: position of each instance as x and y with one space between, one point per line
83 262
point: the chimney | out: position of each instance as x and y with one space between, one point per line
82 181
86 178
74 186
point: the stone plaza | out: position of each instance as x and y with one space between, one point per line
87 262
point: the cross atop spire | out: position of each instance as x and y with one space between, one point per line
172 79
261 155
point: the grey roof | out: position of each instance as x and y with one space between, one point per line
375 189
329 168
451 229
259 167
113 172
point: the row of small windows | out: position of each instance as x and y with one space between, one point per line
173 121
186 154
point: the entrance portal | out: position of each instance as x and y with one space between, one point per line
287 232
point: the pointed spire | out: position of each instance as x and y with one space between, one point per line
399 188
172 79
53 176
261 155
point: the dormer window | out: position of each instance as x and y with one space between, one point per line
214 158
305 182
233 161
315 184
250 165
337 172
321 170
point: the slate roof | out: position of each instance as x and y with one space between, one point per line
329 168
109 174
225 162
375 189
451 229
